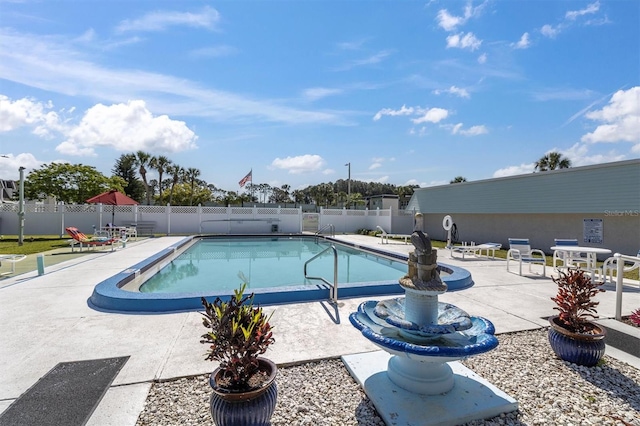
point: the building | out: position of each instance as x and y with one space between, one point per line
598 204
383 202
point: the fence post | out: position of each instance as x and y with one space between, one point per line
619 280
168 219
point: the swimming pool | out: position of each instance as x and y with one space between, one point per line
176 278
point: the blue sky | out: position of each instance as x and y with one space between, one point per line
407 92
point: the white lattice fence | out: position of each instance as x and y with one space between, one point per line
52 219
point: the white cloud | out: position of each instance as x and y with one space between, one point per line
315 93
550 31
351 45
523 43
449 22
579 155
433 115
300 164
159 21
10 163
127 127
375 166
463 93
26 112
482 58
620 118
464 41
370 60
51 65
472 131
590 9
391 112
514 170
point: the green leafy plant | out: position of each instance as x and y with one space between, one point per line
574 300
238 333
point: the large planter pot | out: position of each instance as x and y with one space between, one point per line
581 349
252 408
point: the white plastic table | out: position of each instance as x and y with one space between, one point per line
591 252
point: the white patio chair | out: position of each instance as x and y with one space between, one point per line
610 267
565 259
520 251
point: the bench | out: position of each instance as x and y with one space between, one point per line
144 227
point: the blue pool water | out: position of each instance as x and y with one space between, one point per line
176 280
222 264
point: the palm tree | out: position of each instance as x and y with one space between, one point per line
551 161
191 176
459 179
176 173
160 163
142 160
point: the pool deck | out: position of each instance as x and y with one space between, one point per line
46 320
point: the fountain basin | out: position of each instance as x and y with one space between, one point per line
477 339
419 361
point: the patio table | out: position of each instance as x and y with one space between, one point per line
591 259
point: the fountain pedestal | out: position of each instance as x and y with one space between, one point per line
424 338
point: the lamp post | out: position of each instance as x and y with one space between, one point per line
21 208
349 183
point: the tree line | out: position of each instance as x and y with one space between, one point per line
156 180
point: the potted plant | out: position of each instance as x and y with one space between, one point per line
244 387
573 337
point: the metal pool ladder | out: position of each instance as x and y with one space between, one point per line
328 226
333 291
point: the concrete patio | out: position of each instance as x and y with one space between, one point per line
46 320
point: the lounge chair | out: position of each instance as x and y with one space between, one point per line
96 241
563 259
520 251
12 258
610 267
385 236
475 249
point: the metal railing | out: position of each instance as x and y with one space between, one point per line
620 268
330 227
333 293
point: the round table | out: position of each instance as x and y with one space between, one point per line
591 259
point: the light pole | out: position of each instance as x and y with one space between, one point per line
349 184
21 208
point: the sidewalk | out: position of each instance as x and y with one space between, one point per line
46 320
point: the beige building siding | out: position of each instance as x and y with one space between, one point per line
541 207
620 233
589 189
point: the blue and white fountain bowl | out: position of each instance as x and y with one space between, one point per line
420 353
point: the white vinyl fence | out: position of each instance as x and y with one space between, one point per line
50 219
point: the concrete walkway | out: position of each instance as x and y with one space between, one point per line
46 320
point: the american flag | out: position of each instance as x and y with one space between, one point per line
246 179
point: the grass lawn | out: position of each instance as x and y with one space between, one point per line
32 244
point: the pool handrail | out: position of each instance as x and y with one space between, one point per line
328 226
333 294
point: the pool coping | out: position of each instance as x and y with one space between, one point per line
109 296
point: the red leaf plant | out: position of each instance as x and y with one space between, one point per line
574 300
238 333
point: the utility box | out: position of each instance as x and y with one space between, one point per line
274 227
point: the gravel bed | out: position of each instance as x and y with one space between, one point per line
549 391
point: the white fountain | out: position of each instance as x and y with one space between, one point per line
417 379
